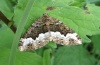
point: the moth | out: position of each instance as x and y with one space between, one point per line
47 29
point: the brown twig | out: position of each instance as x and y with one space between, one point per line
6 21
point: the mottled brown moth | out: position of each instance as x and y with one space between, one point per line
47 29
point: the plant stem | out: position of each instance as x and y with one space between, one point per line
19 32
46 57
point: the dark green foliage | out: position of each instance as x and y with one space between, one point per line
83 16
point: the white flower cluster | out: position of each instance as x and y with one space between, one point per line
44 38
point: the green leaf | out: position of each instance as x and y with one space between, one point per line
95 10
73 55
51 45
6 8
76 18
4 55
96 43
6 36
22 58
46 57
28 58
38 9
98 63
78 3
79 20
92 1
